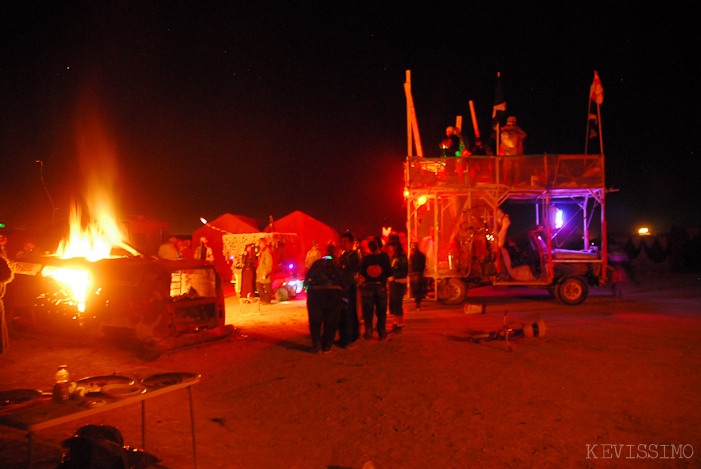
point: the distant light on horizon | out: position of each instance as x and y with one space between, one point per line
644 231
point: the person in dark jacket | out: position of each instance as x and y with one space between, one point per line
350 263
397 283
417 265
375 271
324 301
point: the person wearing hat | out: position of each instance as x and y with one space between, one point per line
511 143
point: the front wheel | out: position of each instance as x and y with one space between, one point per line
452 291
572 291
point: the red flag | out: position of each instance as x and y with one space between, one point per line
596 92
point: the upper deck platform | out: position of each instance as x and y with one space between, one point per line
521 176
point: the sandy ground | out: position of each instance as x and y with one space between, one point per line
620 371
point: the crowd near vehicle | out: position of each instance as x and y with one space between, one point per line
527 220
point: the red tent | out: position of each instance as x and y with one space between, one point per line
214 230
307 229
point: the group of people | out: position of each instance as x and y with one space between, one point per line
509 143
176 248
256 271
367 274
511 138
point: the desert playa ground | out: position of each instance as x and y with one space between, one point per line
616 382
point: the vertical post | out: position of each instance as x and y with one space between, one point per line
550 270
585 223
409 142
30 449
474 123
411 112
586 143
601 134
192 426
143 424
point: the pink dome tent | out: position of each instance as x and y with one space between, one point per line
214 230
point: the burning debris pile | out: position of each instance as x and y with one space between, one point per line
96 282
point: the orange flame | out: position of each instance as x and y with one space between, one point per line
95 240
97 156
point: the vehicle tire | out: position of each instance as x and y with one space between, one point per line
452 291
291 292
572 291
281 294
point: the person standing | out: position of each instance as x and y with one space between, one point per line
203 252
313 255
186 250
264 271
248 273
452 145
511 143
417 265
324 301
397 283
375 271
3 242
169 250
6 276
350 262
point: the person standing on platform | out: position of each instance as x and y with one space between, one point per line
264 272
511 143
350 262
375 271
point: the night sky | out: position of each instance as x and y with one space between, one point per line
263 108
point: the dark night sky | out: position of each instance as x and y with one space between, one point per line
263 108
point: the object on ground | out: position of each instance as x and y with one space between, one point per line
516 330
102 447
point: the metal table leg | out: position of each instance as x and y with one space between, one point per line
192 424
143 425
30 450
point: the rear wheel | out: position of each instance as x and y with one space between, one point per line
452 291
281 294
572 291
